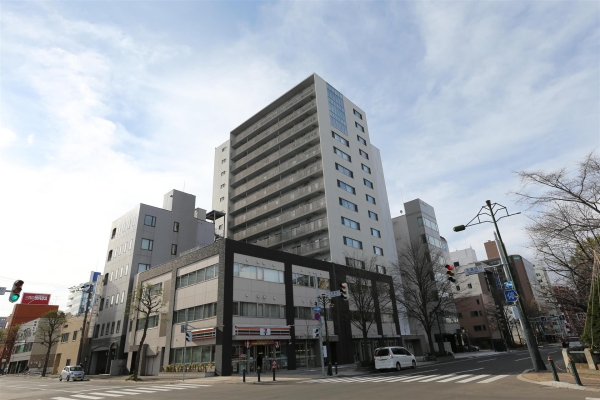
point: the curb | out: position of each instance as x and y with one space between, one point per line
562 385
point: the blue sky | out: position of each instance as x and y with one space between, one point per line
108 104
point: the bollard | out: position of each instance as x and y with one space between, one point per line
553 369
258 372
336 368
274 374
244 374
574 371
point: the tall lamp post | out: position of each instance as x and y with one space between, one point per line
491 210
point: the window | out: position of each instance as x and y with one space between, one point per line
378 250
361 140
340 139
349 205
198 276
364 154
342 154
96 330
479 328
152 322
365 168
433 241
258 273
323 283
64 338
118 326
126 269
173 249
354 263
350 223
143 267
121 272
221 227
223 161
368 183
149 220
476 301
456 263
224 148
222 173
114 232
109 255
470 286
303 313
346 187
374 216
147 244
458 288
371 199
222 185
175 226
112 328
222 199
380 269
375 232
343 170
359 126
303 280
337 115
359 115
428 223
112 300
111 276
352 243
122 297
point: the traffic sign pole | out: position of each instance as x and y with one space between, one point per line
320 330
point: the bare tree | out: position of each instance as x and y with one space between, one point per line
425 290
366 296
146 303
565 229
49 330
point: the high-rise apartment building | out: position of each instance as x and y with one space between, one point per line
303 176
141 239
78 295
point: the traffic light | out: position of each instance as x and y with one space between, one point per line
450 273
344 290
188 336
15 293
459 228
316 333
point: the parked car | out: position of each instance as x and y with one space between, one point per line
573 341
474 348
394 357
72 373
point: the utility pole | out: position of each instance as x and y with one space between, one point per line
325 302
185 343
320 325
85 314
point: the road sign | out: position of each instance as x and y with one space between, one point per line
511 295
335 293
508 285
474 270
317 309
317 316
2 291
498 283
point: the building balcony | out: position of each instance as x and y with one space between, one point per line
297 145
287 217
281 126
310 249
294 234
303 96
274 189
286 200
273 174
276 144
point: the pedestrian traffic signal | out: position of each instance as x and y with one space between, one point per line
316 333
450 273
15 293
188 336
344 290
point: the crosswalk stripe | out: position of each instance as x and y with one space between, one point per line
435 378
62 398
188 385
173 387
83 396
474 378
452 378
139 391
492 379
155 388
106 394
406 377
417 378
120 392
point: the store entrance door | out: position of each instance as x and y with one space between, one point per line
260 352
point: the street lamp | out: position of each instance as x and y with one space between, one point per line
491 210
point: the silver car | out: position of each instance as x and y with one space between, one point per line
72 373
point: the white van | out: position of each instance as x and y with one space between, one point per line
394 357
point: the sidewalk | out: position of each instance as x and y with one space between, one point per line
566 380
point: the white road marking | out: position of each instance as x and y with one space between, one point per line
486 360
473 378
434 378
453 378
120 392
418 378
469 370
521 359
106 394
83 396
173 387
139 390
406 377
494 378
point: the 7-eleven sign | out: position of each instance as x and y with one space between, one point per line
265 331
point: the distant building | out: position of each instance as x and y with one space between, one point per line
3 322
78 295
143 238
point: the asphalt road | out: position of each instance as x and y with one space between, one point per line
490 377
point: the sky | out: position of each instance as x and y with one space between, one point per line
104 105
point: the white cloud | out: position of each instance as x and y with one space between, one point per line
6 137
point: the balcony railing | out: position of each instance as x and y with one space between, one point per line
273 173
309 138
308 92
288 216
294 234
282 201
319 246
274 188
272 131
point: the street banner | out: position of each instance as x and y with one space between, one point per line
36 299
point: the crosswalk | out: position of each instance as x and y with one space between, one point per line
112 392
454 378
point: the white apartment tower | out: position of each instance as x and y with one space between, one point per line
302 176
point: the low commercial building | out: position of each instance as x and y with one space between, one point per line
28 352
248 306
68 346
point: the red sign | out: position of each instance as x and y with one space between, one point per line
35 298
